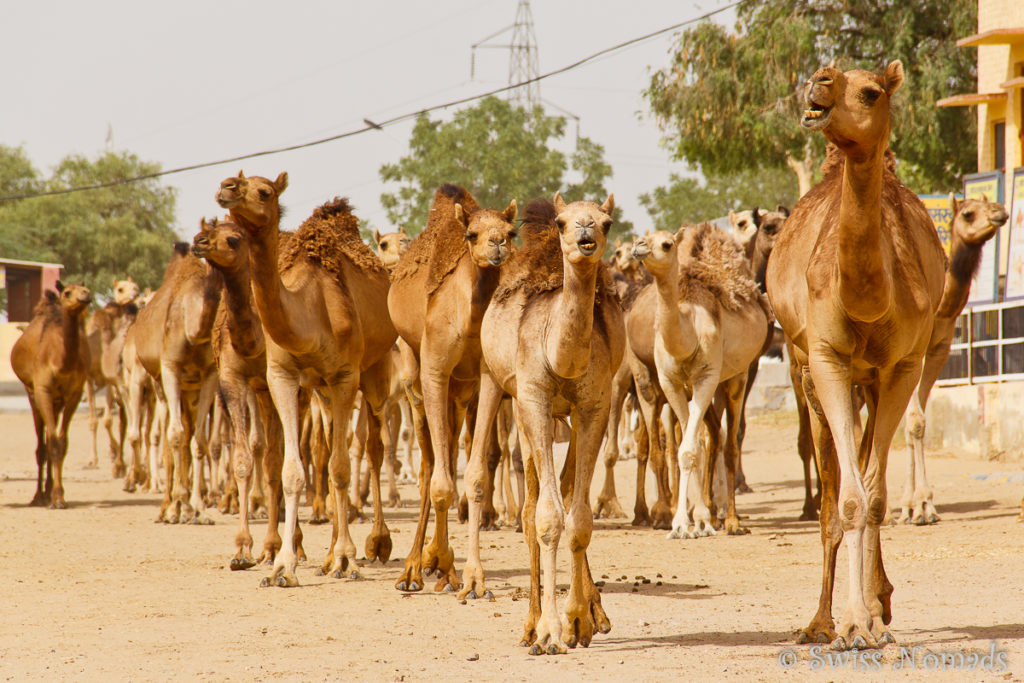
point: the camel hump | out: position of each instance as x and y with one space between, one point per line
446 234
328 237
710 260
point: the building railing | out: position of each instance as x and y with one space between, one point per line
988 346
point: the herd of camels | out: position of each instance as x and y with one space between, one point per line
263 344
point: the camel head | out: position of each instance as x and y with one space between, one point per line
125 291
768 223
622 256
744 225
852 109
222 243
74 299
254 200
583 228
976 221
391 246
489 234
658 250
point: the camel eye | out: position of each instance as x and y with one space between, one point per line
666 245
384 244
471 236
264 193
969 216
870 95
513 234
233 242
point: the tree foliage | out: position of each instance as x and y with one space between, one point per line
729 100
498 152
688 200
98 235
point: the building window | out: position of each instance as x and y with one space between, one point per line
999 140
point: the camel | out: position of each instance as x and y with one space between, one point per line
326 327
974 223
240 349
171 342
710 323
439 292
100 332
556 337
624 263
855 278
391 246
51 358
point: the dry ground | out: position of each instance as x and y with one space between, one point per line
99 592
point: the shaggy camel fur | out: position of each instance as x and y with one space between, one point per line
101 330
710 323
171 341
555 337
974 223
240 349
440 289
326 327
855 278
51 358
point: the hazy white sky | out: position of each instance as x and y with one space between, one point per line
195 81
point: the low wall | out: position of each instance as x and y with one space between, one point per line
9 384
982 420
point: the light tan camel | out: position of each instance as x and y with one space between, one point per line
710 323
51 358
101 331
326 327
240 349
555 337
391 246
855 278
171 341
974 223
440 289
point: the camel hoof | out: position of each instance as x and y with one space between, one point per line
202 520
355 576
839 644
264 582
448 588
808 516
572 642
319 571
336 574
743 488
536 650
488 594
472 595
554 650
241 563
859 643
282 582
886 639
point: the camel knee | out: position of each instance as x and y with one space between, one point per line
292 481
915 426
876 509
578 528
475 481
442 489
549 521
852 513
243 463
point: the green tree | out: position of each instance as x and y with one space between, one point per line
729 100
498 152
689 200
100 234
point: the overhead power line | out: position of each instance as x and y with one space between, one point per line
374 125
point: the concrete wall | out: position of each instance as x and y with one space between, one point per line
9 383
983 420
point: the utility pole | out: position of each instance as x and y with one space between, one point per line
523 64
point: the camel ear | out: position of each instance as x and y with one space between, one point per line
240 174
893 77
732 218
618 242
756 213
376 237
460 216
401 230
510 211
783 210
59 286
984 197
559 203
954 206
609 205
281 183
680 234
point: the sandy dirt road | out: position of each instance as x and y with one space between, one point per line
100 592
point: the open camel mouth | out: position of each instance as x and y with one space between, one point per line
587 246
816 115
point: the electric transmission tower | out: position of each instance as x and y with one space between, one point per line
523 64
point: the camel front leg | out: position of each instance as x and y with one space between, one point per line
583 613
201 455
375 383
343 551
234 394
178 484
549 519
134 435
41 496
607 501
94 423
476 485
734 394
691 413
54 489
412 576
408 473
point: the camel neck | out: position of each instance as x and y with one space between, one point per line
242 321
269 293
669 321
963 263
213 283
865 287
571 325
71 330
